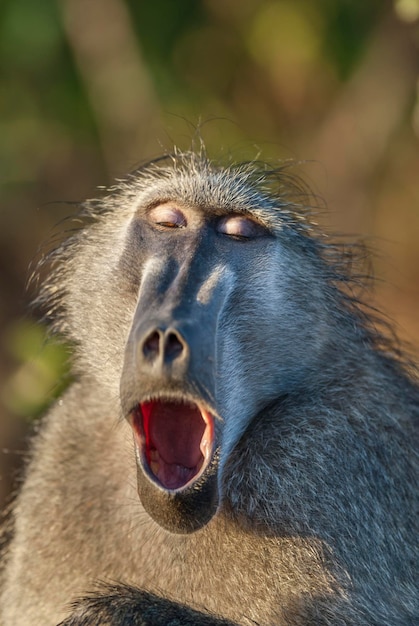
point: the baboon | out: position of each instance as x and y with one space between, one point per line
238 444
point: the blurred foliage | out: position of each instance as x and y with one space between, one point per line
88 88
348 30
203 59
42 373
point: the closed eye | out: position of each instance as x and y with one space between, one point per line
167 216
240 227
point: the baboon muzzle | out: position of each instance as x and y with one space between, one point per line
172 346
169 378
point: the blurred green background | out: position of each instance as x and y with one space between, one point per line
90 88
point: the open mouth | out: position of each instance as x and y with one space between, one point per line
175 440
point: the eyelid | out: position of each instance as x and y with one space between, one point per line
240 226
167 215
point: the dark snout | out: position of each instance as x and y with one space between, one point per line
174 357
172 346
168 393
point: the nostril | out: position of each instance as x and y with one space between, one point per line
151 345
163 346
173 346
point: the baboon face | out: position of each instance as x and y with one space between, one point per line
217 333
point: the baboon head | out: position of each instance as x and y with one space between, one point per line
210 300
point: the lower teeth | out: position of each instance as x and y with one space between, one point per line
154 466
171 475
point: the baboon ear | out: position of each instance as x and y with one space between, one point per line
135 607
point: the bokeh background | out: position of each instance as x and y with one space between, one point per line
91 88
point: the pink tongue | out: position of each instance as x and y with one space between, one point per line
174 476
175 430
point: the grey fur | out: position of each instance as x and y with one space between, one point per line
120 604
316 516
